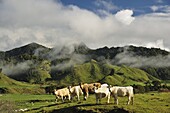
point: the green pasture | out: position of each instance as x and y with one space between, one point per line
144 103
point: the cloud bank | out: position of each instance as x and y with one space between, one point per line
50 23
140 61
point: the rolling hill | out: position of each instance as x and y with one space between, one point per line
8 85
95 71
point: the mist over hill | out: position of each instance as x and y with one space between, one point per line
37 63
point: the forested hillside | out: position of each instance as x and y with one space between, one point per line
35 63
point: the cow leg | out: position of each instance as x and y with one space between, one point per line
78 97
129 99
132 100
86 95
62 98
69 97
56 99
108 98
97 99
115 99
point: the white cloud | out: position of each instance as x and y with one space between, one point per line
164 8
125 16
159 1
133 60
154 8
106 5
157 44
51 23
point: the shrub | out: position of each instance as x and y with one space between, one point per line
3 90
139 89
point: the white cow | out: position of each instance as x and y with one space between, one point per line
62 93
102 92
122 91
75 91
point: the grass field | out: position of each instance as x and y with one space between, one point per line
144 103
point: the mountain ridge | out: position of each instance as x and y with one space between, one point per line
35 60
35 45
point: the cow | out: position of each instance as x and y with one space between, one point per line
88 88
117 91
85 90
102 92
62 93
75 91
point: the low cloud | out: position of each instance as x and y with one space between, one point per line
14 69
74 59
67 53
133 60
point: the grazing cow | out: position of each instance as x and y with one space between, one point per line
122 91
88 88
75 91
102 92
62 93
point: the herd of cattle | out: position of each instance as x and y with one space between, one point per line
100 91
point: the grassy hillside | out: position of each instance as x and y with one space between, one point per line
8 85
144 103
94 71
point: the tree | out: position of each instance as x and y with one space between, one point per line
156 84
39 73
112 72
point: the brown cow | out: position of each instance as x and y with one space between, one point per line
89 88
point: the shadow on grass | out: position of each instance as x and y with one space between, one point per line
55 104
77 109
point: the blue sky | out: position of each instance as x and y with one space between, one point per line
139 6
97 23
